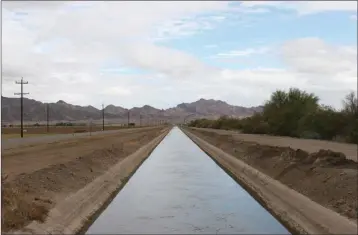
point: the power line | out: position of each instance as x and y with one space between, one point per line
22 82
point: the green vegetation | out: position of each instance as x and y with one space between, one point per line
296 113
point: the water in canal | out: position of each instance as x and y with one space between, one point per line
179 189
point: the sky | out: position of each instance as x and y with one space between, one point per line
133 53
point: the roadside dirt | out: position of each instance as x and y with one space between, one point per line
325 176
35 178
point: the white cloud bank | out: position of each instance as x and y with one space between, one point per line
62 47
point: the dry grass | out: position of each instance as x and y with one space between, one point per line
20 206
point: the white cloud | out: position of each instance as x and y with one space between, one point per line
244 52
63 50
66 44
117 91
320 62
354 17
305 7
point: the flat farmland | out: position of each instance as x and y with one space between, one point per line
57 129
17 135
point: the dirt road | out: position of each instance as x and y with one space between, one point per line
36 177
57 129
325 177
44 139
311 146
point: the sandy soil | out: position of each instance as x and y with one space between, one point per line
325 177
35 178
311 146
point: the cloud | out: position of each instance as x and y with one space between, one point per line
318 61
354 17
244 52
62 44
117 91
305 7
112 52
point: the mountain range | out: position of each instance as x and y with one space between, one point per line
36 111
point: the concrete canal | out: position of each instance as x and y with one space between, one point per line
179 189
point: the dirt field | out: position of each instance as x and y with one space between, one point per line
13 136
311 146
36 177
326 177
57 129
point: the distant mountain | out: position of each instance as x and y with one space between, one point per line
214 108
35 111
116 110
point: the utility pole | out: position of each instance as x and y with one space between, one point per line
103 117
48 117
22 82
128 119
140 119
90 126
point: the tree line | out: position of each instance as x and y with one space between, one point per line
296 113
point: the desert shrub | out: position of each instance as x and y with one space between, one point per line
296 113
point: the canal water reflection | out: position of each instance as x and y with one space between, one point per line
179 189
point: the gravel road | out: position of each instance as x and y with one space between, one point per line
18 142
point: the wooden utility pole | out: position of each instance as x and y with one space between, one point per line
48 117
140 120
128 119
22 82
103 117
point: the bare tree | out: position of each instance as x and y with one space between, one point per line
350 104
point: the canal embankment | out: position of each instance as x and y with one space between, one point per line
77 190
295 210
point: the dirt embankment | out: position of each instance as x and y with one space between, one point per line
35 178
326 177
309 145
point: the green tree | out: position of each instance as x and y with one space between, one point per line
284 110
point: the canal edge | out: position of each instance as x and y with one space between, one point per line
90 220
296 221
77 212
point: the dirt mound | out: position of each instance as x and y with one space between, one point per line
328 158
